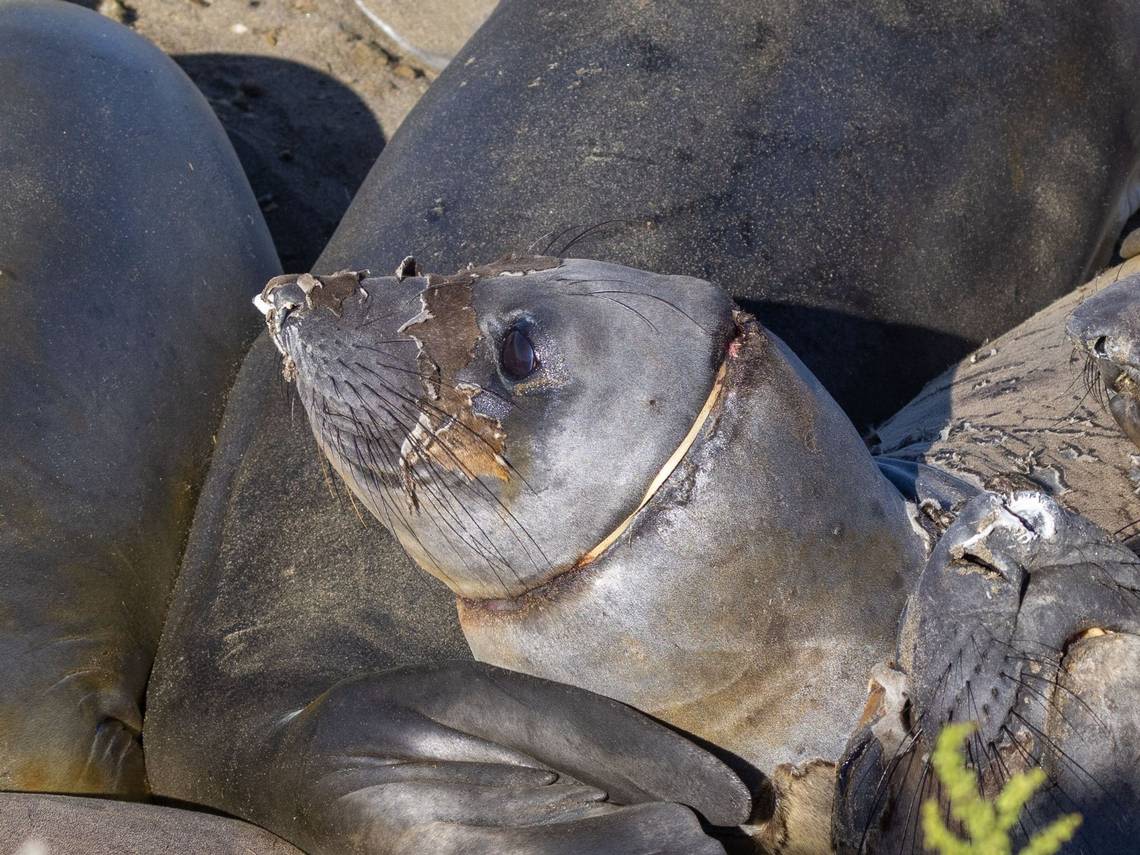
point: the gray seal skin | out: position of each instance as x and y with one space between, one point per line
748 582
127 233
886 184
45 824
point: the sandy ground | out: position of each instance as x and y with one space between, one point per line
305 89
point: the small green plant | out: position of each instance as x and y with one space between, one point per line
987 822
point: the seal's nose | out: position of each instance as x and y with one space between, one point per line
1106 326
281 295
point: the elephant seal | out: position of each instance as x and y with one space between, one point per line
884 209
124 243
358 734
722 552
463 413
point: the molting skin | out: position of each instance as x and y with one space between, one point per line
747 600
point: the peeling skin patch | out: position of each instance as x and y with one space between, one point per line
330 292
1037 511
1027 516
450 434
315 292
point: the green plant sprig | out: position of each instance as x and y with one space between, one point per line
987 823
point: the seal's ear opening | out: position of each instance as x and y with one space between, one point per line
406 268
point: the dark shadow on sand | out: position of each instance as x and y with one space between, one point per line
811 330
305 140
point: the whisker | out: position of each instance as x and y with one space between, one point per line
503 512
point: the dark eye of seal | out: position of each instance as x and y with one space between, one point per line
517 356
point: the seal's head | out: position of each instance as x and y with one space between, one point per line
500 419
629 484
1106 329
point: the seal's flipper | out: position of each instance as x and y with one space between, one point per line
468 758
128 240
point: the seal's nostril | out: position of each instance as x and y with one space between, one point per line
277 294
1100 346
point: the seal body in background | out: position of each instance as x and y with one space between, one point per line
128 235
885 186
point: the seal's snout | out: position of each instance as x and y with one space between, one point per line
281 295
285 294
291 296
1106 328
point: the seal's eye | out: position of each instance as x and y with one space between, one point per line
517 356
